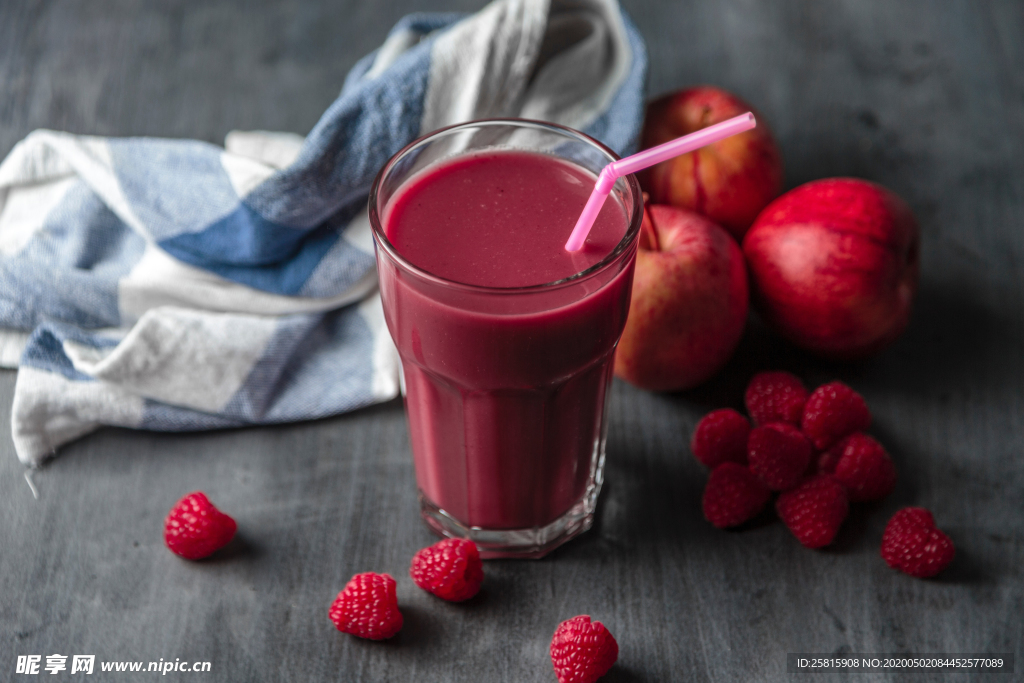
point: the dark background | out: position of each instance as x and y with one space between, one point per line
926 98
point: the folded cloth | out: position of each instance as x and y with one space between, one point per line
175 285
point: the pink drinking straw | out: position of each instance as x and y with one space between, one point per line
649 157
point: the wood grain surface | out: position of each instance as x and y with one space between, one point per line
926 98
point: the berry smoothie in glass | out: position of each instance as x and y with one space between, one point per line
506 339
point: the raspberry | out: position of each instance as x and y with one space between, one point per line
721 436
733 495
450 569
779 454
582 651
775 397
864 468
814 510
913 544
195 529
367 607
833 411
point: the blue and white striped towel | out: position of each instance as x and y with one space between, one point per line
174 285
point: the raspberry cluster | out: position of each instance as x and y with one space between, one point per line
581 651
367 607
810 449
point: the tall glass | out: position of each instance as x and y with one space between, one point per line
506 388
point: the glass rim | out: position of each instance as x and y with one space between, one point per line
632 228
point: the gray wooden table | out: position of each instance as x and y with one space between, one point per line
926 98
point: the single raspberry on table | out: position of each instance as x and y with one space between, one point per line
582 651
833 411
914 545
814 510
778 454
721 436
450 569
775 397
195 528
367 607
863 466
733 495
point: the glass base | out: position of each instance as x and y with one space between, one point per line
527 544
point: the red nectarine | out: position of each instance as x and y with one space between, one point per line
689 302
729 181
834 266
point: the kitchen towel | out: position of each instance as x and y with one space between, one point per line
177 285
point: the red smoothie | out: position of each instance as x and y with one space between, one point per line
506 374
